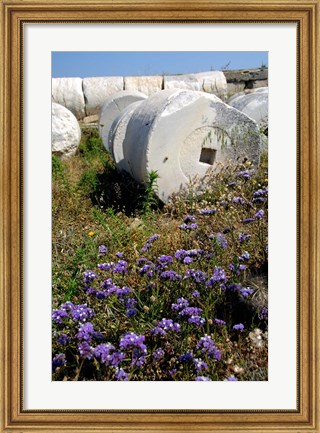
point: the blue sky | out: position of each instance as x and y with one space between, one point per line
95 64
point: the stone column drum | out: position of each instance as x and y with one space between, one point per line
68 92
254 104
117 135
111 109
65 133
182 134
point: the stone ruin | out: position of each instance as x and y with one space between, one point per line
65 132
181 134
182 131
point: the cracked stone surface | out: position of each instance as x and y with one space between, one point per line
111 109
254 104
211 82
183 134
97 89
65 133
68 92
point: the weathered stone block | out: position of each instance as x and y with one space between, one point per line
117 136
111 109
210 82
68 92
97 89
66 133
254 104
147 85
182 134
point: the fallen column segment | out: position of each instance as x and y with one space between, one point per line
68 92
182 134
111 109
66 133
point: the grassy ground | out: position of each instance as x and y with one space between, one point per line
193 297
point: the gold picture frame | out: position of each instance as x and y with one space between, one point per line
14 13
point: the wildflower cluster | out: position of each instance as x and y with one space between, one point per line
186 313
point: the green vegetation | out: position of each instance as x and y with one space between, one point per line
181 290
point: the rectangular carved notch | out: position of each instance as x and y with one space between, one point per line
208 155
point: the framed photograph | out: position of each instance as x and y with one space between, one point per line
134 365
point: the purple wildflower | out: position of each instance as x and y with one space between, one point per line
238 200
197 320
233 287
124 291
244 256
183 254
190 218
85 350
130 302
86 332
59 315
243 237
120 374
138 360
206 345
260 192
207 211
245 174
221 240
190 311
258 200
63 339
219 276
146 270
158 353
105 266
180 254
89 276
197 276
186 357
117 358
119 254
102 250
67 306
200 365
187 260
164 326
245 292
103 352
232 378
121 267
238 327
181 303
58 361
131 341
196 294
248 220
263 313
192 226
149 242
203 379
170 275
163 261
259 214
131 312
81 313
219 322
